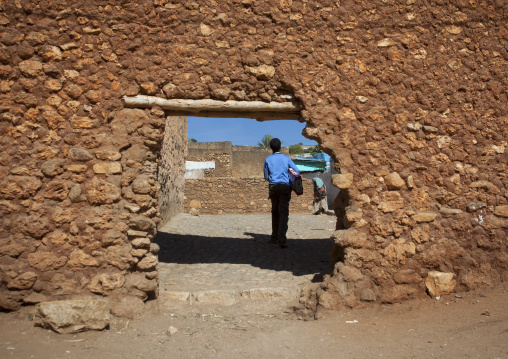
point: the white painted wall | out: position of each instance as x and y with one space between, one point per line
195 170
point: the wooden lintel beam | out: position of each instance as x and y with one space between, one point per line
196 106
259 116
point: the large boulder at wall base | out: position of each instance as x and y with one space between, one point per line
73 316
439 283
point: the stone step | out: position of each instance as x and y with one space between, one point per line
228 297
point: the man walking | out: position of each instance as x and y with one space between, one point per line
276 173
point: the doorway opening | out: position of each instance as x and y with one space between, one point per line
224 257
218 250
225 159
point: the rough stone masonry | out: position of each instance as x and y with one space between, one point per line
408 96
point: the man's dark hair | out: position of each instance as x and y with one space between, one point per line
275 145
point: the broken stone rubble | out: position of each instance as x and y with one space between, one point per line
74 316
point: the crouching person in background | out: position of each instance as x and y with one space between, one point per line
320 204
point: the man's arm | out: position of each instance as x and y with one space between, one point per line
265 171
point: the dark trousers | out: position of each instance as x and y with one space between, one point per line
280 194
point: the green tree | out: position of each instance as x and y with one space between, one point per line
296 149
192 140
314 150
265 141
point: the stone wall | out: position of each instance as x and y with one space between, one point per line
239 196
230 161
236 185
249 161
218 152
408 97
172 168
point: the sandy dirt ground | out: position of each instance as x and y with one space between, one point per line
460 325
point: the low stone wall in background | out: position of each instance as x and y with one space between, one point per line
238 196
218 152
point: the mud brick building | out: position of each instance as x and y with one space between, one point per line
409 97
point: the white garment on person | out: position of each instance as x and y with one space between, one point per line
320 205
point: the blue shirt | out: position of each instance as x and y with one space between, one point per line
276 168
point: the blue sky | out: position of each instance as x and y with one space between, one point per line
244 131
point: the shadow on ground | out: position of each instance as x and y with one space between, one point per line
301 257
